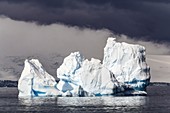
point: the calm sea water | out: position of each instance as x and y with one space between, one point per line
157 101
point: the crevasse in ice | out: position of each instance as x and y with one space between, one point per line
35 81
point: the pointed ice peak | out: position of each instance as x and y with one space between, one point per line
111 39
35 81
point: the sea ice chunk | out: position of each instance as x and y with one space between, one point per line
35 81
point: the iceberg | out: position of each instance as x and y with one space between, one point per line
128 63
35 81
123 71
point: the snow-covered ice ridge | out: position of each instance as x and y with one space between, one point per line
123 71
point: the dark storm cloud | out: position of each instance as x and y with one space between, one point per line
148 19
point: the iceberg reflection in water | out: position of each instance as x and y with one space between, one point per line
84 104
157 101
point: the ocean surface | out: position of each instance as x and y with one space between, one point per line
157 101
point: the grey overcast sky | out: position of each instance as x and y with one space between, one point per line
29 27
37 27
139 19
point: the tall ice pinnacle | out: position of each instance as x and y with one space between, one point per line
35 81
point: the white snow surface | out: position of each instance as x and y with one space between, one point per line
35 81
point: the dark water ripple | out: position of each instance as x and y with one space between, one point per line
157 101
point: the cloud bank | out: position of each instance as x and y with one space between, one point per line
24 38
136 18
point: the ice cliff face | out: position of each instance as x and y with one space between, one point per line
124 71
35 81
127 62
